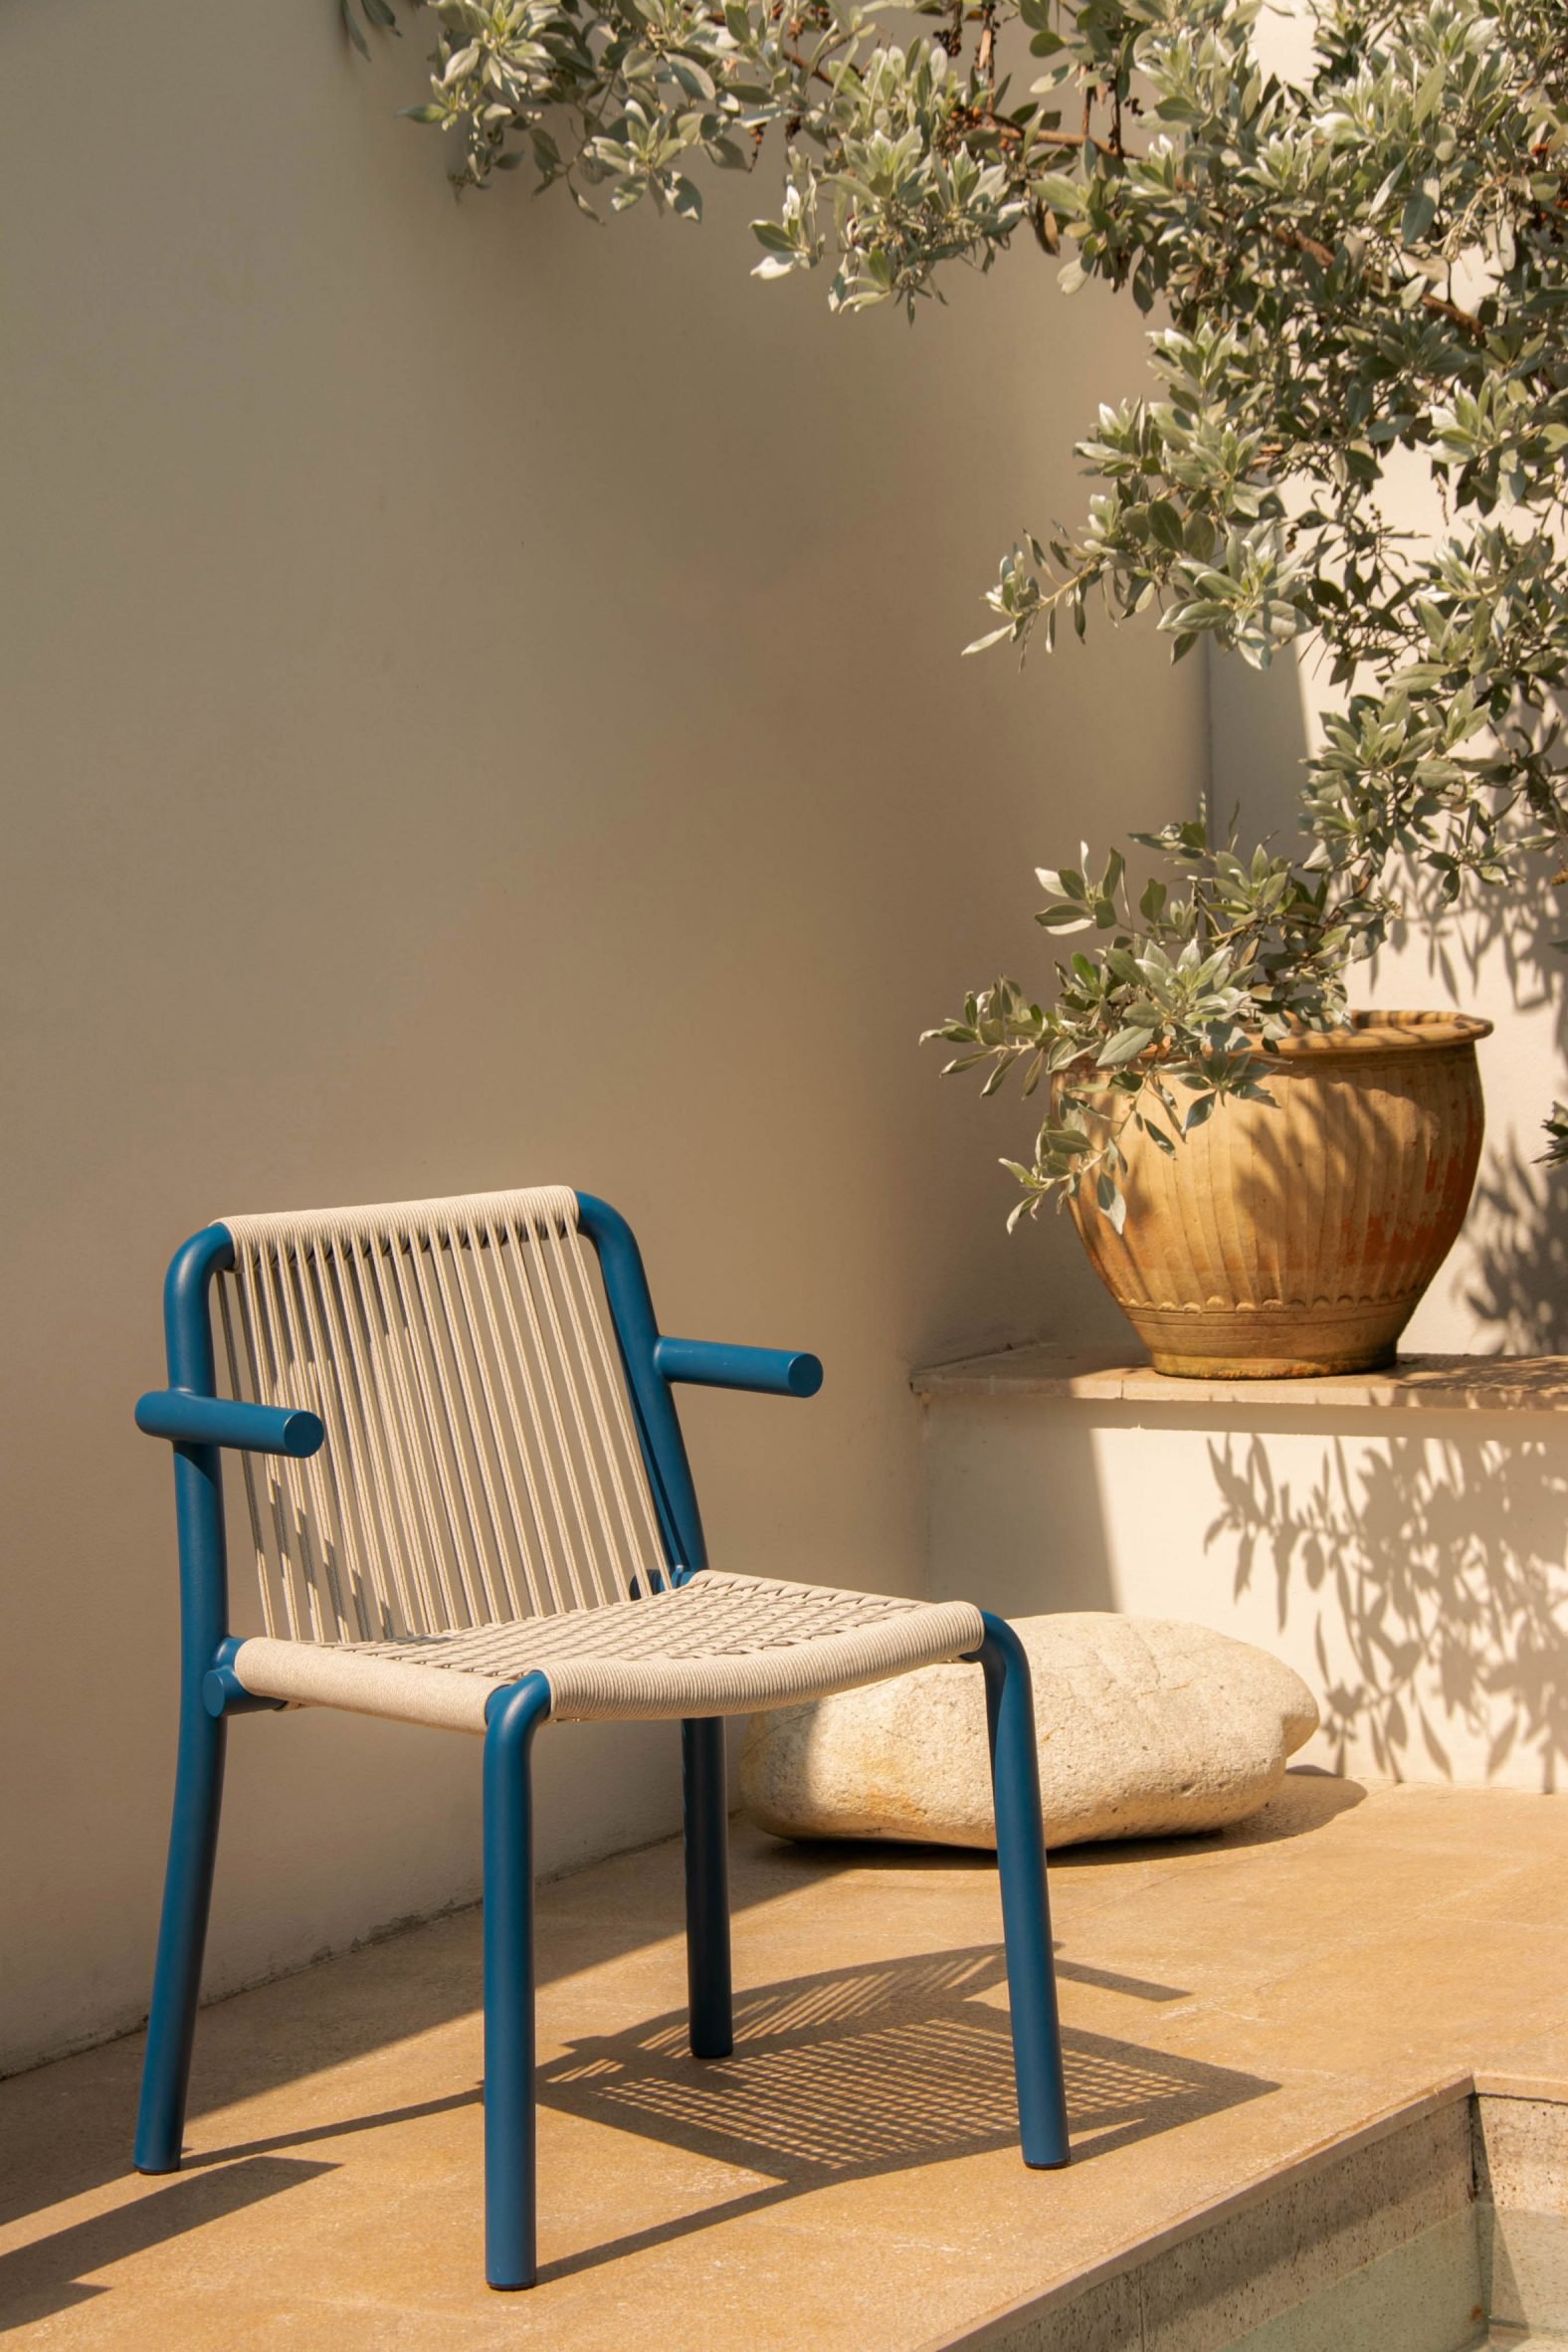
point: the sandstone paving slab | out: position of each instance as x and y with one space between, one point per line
851 2182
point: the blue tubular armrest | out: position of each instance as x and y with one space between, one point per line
190 1420
772 1371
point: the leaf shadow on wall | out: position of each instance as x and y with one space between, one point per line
1509 1268
1436 1568
1514 1253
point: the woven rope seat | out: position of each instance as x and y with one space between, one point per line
718 1646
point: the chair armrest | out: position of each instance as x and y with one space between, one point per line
189 1420
773 1371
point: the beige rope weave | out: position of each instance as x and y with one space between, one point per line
480 1506
720 1646
480 1462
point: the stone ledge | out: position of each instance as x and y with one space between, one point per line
1482 1384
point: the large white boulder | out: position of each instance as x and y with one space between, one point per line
1146 1728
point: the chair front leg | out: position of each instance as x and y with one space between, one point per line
706 1818
510 2164
182 1936
1025 1912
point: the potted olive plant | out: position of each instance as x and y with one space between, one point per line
1367 258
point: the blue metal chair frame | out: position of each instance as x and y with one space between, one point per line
199 1424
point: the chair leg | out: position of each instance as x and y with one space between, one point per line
1025 1915
511 2251
182 1938
708 1995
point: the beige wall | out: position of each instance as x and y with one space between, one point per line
481 705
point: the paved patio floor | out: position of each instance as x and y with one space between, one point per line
850 2178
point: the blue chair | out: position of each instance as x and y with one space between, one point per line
470 1505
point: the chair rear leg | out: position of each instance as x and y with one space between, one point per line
1025 1914
182 1938
510 2203
708 1994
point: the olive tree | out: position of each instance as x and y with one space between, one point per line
1370 258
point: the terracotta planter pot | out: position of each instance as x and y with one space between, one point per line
1284 1241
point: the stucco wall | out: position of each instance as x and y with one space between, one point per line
482 705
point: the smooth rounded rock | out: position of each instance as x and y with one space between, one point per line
1146 1728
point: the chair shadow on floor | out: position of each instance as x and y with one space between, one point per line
841 2075
857 2071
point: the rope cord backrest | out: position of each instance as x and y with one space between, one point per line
480 1463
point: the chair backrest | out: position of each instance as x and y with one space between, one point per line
481 1459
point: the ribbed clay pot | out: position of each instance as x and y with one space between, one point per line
1284 1242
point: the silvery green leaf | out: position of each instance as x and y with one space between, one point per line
1166 525
1110 1200
1421 210
1064 919
1430 95
693 77
1126 1046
